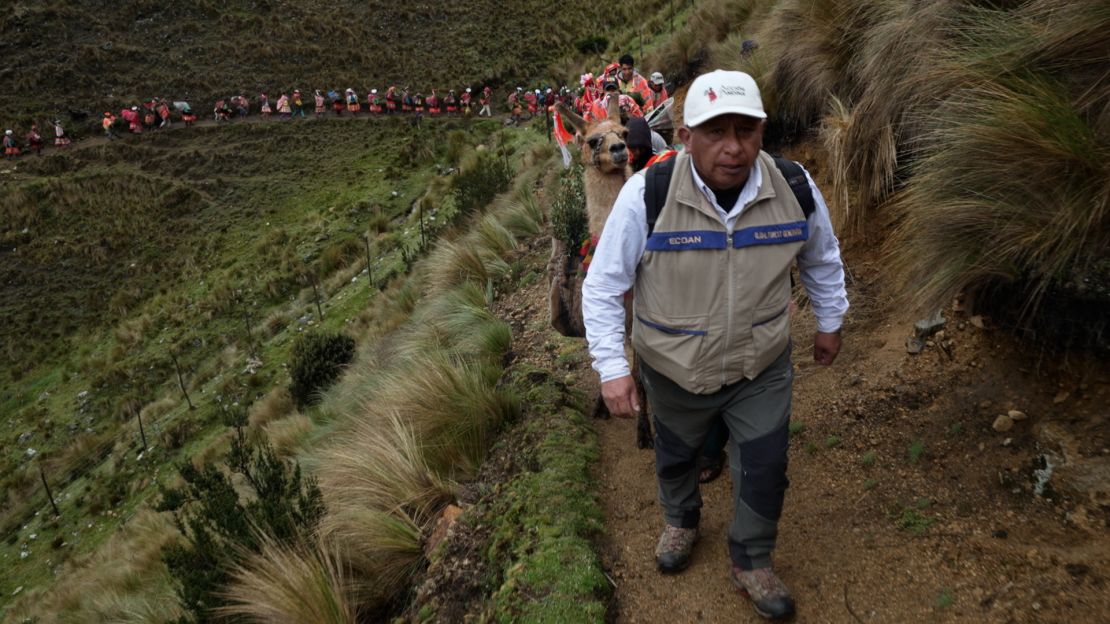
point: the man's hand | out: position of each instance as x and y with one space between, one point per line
620 396
826 346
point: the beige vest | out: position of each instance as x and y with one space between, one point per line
710 308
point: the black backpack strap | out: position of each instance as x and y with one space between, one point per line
657 181
796 178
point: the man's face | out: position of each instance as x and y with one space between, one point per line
655 87
724 149
626 72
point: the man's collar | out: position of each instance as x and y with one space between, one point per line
747 193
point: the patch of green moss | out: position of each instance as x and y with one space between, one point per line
547 516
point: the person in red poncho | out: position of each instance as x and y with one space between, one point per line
34 140
11 150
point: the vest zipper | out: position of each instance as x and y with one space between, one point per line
728 310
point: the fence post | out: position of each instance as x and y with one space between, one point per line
142 431
369 267
316 294
181 381
49 494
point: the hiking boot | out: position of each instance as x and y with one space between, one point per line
673 552
768 594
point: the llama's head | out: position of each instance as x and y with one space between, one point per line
602 140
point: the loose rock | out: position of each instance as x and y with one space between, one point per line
914 345
1003 423
1016 415
927 327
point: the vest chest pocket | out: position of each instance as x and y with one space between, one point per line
672 345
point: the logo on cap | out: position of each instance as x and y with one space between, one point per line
711 94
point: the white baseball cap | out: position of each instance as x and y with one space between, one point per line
657 78
722 92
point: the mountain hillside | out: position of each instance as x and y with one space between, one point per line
63 54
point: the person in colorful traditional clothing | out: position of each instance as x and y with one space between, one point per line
418 103
338 105
242 106
61 139
451 102
164 113
353 105
433 103
464 102
532 99
34 140
484 100
283 107
392 100
150 117
658 92
11 149
108 123
321 108
515 101
297 103
264 106
190 118
628 106
407 104
376 101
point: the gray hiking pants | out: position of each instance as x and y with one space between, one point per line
757 413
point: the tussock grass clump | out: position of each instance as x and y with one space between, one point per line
291 584
287 433
277 403
454 407
1014 186
381 465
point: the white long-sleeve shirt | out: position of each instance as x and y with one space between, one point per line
613 268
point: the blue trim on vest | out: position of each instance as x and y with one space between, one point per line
682 241
776 234
672 330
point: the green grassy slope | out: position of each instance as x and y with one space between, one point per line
175 242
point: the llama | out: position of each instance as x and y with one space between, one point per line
607 168
606 157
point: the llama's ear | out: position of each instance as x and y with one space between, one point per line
615 108
573 119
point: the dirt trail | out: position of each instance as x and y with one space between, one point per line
887 537
98 138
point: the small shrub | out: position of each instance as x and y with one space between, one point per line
913 521
477 185
592 44
868 458
832 442
220 527
946 599
318 358
569 223
797 428
917 449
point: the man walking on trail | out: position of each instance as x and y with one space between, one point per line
630 81
484 100
705 241
658 88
